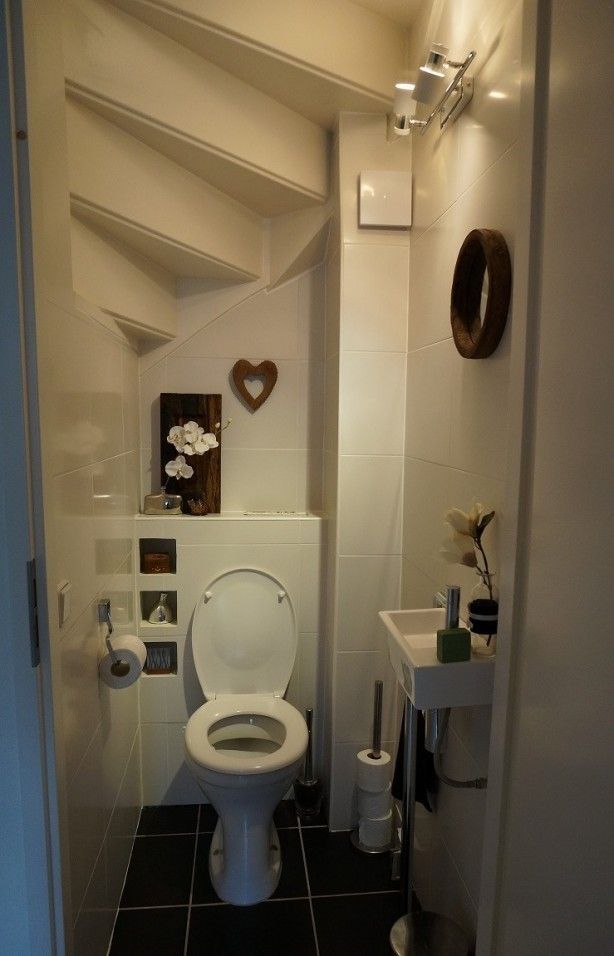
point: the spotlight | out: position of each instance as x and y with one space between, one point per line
403 108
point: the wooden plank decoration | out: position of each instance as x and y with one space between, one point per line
204 487
267 371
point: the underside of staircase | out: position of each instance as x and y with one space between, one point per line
199 139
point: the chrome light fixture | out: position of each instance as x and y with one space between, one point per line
428 88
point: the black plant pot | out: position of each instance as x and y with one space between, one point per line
483 616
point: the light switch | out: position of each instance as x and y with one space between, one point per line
385 199
64 595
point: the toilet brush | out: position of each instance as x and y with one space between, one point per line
308 790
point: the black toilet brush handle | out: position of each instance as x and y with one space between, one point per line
308 755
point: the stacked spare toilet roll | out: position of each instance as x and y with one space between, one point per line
373 779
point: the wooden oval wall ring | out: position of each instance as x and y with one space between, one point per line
267 371
477 329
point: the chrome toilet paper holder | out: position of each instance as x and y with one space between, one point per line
119 668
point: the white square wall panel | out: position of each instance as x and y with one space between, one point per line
385 198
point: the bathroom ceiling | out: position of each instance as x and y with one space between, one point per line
401 11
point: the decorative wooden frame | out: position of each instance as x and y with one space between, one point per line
205 485
266 370
483 250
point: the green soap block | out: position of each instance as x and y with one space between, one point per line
453 644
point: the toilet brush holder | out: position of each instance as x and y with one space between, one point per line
307 789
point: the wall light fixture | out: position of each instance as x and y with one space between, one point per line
428 88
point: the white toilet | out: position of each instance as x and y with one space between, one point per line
245 745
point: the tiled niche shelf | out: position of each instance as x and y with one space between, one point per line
167 546
148 600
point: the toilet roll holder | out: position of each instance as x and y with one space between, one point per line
375 754
119 667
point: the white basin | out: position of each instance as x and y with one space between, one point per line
412 647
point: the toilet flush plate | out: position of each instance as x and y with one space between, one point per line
412 648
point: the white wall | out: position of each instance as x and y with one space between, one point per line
456 419
271 458
366 345
89 445
555 842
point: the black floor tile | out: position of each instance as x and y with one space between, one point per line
359 925
175 819
335 866
291 882
285 815
269 929
208 818
318 820
148 932
202 891
160 871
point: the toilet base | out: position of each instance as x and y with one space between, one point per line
262 882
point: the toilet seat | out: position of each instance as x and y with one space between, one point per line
202 752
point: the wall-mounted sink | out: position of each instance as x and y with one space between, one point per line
412 647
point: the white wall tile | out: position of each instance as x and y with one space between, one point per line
479 413
151 384
370 505
355 674
80 700
311 315
431 394
310 405
372 403
374 303
426 501
154 763
71 542
490 126
182 784
367 584
264 324
309 480
259 479
311 597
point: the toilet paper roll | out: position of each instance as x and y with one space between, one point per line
374 833
128 648
374 804
373 775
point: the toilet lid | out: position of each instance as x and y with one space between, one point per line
244 635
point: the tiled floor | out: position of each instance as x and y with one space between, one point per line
331 899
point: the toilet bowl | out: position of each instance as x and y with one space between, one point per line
245 745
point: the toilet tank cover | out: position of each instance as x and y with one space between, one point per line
244 635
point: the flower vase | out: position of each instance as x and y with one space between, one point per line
164 503
483 612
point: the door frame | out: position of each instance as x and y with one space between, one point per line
31 901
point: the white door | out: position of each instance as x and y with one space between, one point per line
28 832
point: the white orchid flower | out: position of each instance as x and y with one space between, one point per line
177 437
211 440
192 431
178 468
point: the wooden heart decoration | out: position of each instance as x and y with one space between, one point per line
267 371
